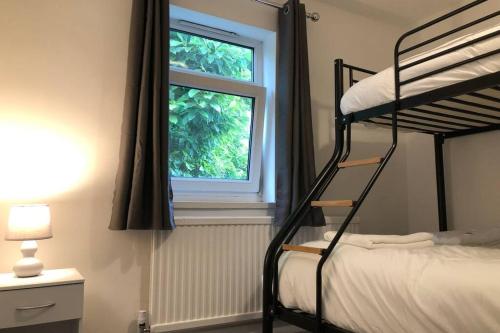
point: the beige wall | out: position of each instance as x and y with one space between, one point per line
421 182
246 12
471 177
473 180
62 68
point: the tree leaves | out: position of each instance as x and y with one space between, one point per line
173 119
209 134
210 56
193 92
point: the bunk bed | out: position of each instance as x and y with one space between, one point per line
449 91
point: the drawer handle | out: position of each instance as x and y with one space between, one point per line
23 308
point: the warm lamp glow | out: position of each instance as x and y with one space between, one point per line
38 162
29 222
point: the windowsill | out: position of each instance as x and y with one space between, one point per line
190 212
222 205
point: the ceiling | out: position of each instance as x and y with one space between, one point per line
398 11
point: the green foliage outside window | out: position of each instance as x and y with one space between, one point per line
210 56
210 132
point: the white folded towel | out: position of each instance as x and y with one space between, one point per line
417 240
483 237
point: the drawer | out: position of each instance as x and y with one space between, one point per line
32 306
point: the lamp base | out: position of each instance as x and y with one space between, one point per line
28 266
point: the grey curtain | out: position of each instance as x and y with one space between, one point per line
143 194
295 168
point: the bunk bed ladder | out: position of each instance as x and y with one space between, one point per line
381 162
292 224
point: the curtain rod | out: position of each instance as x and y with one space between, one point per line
313 16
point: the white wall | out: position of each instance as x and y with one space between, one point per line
62 69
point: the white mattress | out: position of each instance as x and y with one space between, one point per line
434 289
378 89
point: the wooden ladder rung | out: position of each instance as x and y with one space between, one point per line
333 203
367 161
300 248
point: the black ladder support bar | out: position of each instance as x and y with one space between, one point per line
290 226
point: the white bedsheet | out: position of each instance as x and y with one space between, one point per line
378 89
434 289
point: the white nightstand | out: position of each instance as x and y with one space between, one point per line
54 296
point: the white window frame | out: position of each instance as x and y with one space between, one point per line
217 83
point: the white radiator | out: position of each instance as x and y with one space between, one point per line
209 270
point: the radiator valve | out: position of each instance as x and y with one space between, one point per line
142 319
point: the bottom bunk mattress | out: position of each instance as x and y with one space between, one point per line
432 289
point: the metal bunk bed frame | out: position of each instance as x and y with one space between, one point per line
405 113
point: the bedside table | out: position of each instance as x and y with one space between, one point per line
53 296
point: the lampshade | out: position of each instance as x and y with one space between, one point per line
29 222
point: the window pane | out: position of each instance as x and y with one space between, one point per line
210 134
210 56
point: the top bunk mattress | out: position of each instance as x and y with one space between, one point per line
379 89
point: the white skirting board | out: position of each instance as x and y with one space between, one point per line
208 271
249 327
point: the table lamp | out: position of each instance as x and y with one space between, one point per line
28 223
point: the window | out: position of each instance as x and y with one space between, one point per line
217 107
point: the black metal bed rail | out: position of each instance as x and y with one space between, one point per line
445 110
451 49
397 52
306 321
432 121
293 222
451 32
428 112
482 121
462 116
